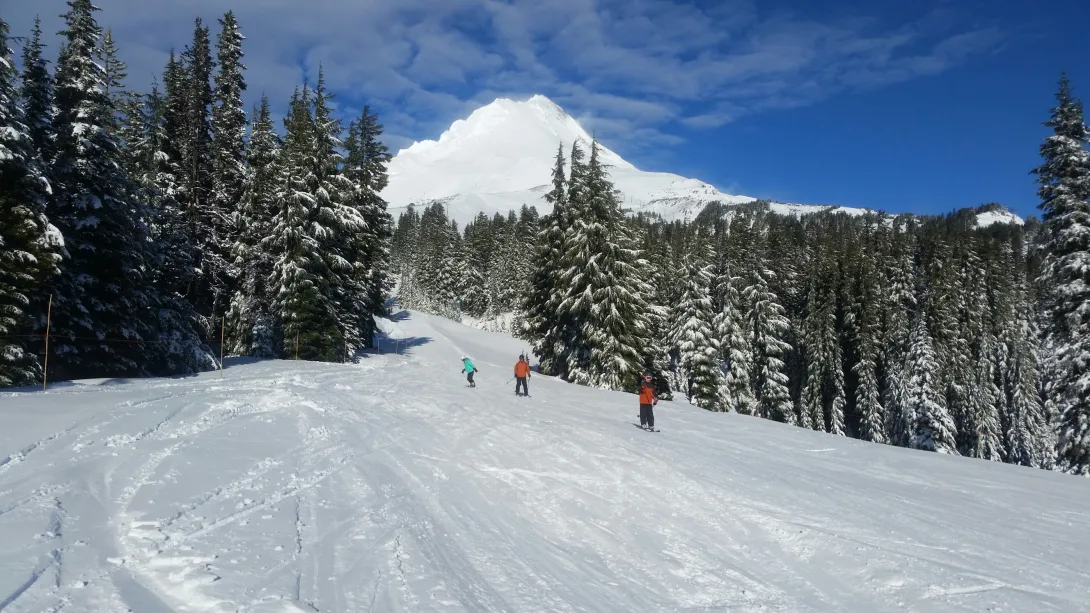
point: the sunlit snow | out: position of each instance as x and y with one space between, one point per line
988 218
389 485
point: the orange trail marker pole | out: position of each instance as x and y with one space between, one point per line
223 331
48 320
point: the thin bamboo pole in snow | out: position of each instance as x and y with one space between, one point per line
48 320
223 332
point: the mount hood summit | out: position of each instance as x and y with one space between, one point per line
502 155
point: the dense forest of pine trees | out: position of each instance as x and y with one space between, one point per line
148 222
922 332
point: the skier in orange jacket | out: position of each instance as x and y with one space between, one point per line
522 373
648 400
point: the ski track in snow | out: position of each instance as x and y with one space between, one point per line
388 485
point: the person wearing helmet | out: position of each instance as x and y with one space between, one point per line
468 368
648 400
522 373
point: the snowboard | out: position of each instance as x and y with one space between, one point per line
646 429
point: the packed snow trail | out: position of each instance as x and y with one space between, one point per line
389 485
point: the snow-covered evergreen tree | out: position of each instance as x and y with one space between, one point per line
824 397
253 329
114 72
127 119
228 121
37 95
505 274
1030 437
946 302
197 190
899 306
303 312
366 159
736 345
436 269
175 118
604 293
978 423
767 325
984 438
1064 179
545 294
693 333
526 231
101 292
336 224
865 324
933 427
28 244
178 348
657 362
476 300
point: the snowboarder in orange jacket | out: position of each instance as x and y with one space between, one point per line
522 373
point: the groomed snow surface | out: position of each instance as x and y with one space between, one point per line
389 485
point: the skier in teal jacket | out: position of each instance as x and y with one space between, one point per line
469 369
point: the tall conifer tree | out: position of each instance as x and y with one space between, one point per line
693 334
207 221
228 120
28 244
365 165
768 325
933 427
254 330
101 292
37 95
302 310
605 294
543 298
1064 179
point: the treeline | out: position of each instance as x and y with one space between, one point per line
483 273
150 218
923 332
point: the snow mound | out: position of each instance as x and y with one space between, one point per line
389 485
501 157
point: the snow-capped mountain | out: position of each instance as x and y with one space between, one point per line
501 157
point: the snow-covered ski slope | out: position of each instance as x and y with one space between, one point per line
389 485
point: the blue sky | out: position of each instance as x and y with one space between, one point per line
905 105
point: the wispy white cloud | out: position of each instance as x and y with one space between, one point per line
634 70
